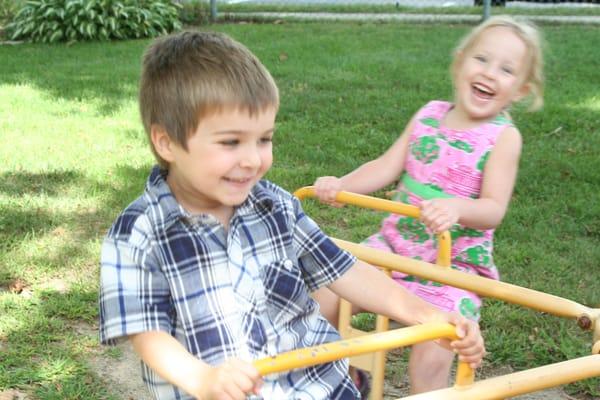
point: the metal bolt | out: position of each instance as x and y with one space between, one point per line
584 322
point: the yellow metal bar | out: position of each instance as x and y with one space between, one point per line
464 375
365 344
519 383
487 287
395 207
365 201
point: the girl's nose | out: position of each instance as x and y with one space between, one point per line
489 71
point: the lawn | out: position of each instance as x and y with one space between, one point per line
74 154
383 8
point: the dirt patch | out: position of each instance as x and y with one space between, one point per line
123 373
13 395
396 384
120 368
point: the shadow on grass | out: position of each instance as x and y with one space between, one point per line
22 224
48 355
42 353
77 72
49 183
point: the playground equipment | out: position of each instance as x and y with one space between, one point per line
495 388
375 362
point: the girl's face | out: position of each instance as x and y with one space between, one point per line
491 74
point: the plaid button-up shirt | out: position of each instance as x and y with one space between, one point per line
242 292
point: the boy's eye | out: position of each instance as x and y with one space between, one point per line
507 70
268 139
480 58
230 142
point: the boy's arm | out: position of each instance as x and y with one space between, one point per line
488 210
169 359
372 290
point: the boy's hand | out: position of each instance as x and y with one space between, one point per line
470 346
439 215
233 380
326 188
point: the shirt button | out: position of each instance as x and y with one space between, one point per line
288 264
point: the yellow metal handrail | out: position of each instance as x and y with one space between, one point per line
395 207
515 384
484 286
586 317
365 344
499 387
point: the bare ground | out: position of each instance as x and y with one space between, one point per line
396 384
123 375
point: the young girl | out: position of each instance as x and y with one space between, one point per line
458 163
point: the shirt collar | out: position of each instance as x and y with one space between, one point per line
169 211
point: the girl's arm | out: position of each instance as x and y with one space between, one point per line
488 210
168 358
370 176
370 289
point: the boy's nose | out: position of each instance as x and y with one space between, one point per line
251 158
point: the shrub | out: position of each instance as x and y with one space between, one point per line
8 8
194 12
77 20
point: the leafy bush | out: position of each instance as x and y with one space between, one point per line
194 12
8 9
77 20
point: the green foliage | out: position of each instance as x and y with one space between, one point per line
52 21
8 9
194 12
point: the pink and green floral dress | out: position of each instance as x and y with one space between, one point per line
442 162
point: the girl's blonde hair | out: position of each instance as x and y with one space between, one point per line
529 34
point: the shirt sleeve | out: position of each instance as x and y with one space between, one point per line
134 293
321 260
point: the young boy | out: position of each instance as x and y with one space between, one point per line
213 267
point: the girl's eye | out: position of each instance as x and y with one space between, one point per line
231 142
507 70
266 140
480 59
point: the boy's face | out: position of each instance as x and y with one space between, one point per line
227 155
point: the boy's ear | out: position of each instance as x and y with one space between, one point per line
162 142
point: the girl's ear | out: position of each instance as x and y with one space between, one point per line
161 142
522 92
457 64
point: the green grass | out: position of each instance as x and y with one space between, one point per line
381 8
74 154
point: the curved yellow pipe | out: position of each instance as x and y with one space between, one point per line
365 344
395 207
531 380
487 287
494 388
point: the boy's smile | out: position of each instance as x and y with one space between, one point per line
229 152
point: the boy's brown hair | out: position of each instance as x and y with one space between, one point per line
190 75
